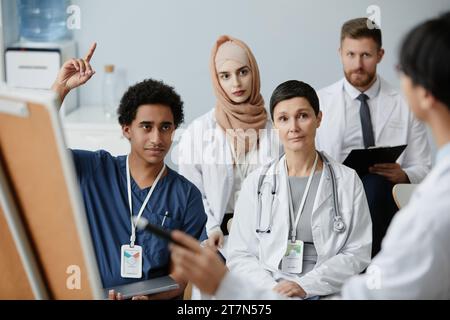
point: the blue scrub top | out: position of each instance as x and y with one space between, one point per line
103 184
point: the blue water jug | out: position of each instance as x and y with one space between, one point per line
43 20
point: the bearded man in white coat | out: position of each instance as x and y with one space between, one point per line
362 110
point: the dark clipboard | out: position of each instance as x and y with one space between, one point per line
361 159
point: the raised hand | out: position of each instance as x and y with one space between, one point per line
74 73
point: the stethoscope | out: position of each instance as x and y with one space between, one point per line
338 223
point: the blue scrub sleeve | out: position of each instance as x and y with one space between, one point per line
195 218
86 163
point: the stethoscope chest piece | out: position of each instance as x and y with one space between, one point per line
339 225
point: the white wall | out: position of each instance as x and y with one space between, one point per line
172 39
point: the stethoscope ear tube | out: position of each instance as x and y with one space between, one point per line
259 200
338 223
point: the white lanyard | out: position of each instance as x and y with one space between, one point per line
294 221
133 226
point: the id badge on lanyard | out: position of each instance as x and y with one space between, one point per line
293 258
131 255
131 261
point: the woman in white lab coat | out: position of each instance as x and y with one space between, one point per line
302 237
213 152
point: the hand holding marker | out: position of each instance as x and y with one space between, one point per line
143 224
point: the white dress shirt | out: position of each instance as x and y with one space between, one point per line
353 138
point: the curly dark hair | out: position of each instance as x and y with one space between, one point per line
149 91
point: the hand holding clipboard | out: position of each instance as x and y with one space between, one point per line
362 159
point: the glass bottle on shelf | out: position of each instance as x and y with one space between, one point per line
109 92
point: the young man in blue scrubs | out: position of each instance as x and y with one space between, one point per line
116 189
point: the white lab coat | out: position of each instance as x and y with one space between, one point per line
256 256
211 169
414 261
235 286
395 125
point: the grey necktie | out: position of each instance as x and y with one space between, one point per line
366 122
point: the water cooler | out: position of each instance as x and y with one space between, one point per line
36 43
34 65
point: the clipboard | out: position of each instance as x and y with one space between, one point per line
361 159
41 204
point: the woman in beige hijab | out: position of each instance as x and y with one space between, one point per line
219 149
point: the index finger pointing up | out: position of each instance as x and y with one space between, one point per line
91 52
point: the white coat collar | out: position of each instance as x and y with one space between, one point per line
372 92
387 103
325 184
